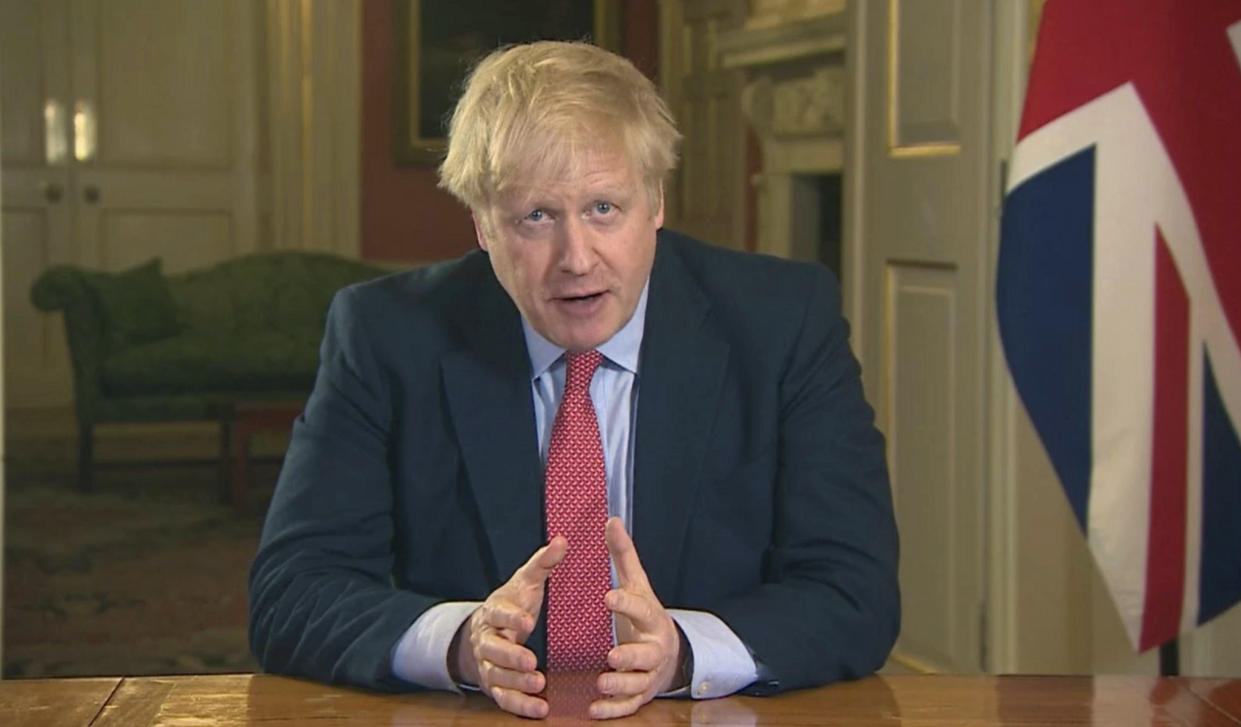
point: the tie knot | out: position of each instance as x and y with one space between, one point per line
580 370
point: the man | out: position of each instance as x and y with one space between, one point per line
418 535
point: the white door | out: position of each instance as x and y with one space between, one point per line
917 220
128 132
35 152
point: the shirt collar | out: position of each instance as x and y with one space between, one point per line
621 349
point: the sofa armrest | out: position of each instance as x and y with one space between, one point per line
64 288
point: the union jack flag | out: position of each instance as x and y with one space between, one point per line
1119 293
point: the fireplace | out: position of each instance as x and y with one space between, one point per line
794 100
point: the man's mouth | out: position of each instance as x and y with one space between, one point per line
588 297
586 304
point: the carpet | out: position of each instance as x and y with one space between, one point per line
145 575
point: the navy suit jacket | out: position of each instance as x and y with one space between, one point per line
413 477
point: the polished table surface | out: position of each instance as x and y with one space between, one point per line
930 701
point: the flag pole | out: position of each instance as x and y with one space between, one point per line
1169 659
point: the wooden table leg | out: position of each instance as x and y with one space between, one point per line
248 419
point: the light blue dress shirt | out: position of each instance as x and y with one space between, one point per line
722 663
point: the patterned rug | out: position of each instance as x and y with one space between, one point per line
146 575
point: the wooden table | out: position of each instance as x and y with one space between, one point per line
927 701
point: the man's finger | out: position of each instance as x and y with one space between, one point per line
624 684
617 706
642 610
501 613
536 570
494 675
506 654
520 704
637 656
629 571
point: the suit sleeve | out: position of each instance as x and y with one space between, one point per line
829 604
322 601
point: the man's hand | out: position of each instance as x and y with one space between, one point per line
489 647
648 650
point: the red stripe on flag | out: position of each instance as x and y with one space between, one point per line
1165 557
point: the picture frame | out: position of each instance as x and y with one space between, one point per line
436 42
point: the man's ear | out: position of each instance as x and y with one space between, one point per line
659 209
478 230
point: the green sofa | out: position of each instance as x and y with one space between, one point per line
149 347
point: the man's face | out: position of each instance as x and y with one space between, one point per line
574 253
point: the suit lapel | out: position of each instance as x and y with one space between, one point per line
487 384
682 369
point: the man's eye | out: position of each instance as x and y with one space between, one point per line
603 208
536 216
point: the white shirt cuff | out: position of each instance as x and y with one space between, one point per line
722 663
421 656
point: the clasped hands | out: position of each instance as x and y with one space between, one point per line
489 649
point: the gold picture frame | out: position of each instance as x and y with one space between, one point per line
428 73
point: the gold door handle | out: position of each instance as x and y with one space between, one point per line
53 192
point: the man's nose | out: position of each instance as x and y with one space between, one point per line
577 251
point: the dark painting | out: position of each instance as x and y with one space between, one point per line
438 41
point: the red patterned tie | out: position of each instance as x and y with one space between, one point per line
579 626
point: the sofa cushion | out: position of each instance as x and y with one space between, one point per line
136 305
270 291
257 361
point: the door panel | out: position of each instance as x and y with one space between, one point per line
23 43
168 146
926 85
917 193
180 114
184 240
920 367
36 215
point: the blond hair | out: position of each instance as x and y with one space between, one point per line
530 112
